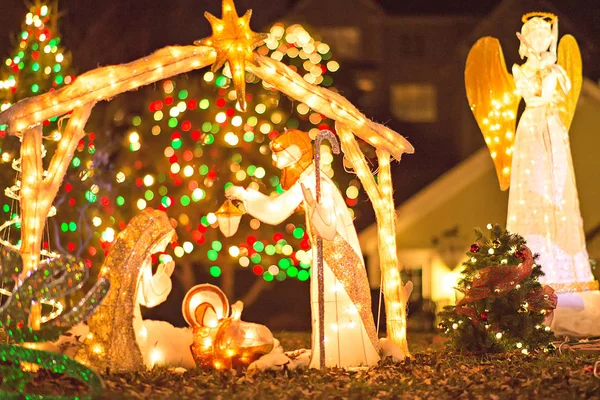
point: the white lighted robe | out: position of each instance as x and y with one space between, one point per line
543 204
350 334
160 342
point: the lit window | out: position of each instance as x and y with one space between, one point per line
365 84
412 102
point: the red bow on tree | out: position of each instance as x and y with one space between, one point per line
496 281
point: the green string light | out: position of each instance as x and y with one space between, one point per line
292 272
284 263
259 246
216 245
89 196
267 276
183 94
204 104
298 233
303 275
215 271
212 255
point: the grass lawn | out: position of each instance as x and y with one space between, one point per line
432 373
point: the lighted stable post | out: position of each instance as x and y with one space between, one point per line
381 195
38 188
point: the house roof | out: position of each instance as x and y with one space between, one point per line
432 196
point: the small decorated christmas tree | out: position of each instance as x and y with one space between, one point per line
502 306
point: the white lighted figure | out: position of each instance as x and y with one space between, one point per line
154 288
349 331
543 203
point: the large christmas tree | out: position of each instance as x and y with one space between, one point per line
502 305
191 142
37 64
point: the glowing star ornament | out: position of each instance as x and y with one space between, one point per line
233 41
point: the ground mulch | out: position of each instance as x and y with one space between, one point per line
431 373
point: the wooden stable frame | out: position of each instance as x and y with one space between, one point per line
38 192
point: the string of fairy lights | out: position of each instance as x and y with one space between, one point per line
283 252
39 64
208 144
202 123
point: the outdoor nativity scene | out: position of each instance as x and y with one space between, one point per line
234 217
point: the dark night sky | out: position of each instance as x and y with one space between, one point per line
115 31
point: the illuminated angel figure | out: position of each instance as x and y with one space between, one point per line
543 202
350 334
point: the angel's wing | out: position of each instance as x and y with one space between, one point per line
569 57
492 96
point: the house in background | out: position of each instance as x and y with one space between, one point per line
406 71
469 196
400 70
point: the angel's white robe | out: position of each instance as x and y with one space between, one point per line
350 334
543 205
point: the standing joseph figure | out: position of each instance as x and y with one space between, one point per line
543 204
350 334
